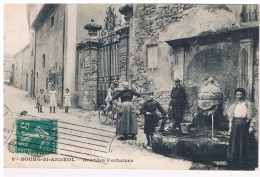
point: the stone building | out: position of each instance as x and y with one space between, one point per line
21 69
54 31
151 46
192 43
160 42
8 68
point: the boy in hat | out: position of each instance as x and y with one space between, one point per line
149 108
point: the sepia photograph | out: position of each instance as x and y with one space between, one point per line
144 86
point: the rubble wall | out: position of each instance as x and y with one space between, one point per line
148 21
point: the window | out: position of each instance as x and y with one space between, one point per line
52 21
250 13
152 56
43 60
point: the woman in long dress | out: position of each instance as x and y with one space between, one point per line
242 150
127 121
53 99
67 100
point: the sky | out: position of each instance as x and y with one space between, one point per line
16 30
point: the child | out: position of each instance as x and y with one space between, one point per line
67 100
108 99
40 100
149 108
52 98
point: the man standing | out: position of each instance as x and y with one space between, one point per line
177 105
242 151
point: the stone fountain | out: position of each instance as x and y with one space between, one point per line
205 140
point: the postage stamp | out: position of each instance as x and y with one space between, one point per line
36 136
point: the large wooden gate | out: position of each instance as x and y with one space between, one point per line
108 57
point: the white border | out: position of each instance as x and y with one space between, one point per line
121 173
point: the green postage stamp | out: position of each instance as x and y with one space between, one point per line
36 136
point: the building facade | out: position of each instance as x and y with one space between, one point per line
21 68
146 44
193 43
8 69
167 41
54 31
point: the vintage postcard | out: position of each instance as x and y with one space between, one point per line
154 86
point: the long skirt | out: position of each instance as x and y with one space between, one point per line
127 121
242 146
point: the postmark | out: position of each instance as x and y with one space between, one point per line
8 123
36 136
11 145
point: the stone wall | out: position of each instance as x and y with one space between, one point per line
148 20
87 78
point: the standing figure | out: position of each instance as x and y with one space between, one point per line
149 108
67 100
108 100
177 105
40 100
242 149
53 99
127 121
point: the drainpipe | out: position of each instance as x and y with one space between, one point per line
63 53
34 67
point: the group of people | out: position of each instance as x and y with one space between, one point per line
41 100
241 149
127 121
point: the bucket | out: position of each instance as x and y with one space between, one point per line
185 127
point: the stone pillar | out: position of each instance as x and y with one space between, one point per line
246 67
123 32
87 68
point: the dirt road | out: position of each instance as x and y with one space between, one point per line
81 139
